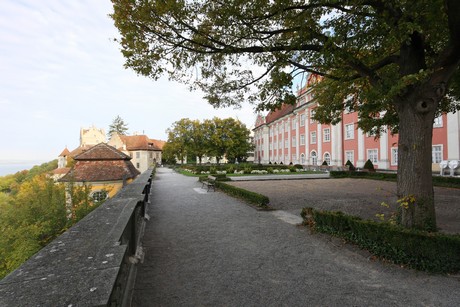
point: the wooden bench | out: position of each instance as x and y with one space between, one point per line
210 182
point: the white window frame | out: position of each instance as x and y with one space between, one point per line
349 153
394 156
437 153
302 120
294 141
349 131
312 113
302 159
302 139
327 158
373 155
314 157
438 122
286 143
327 136
313 137
99 199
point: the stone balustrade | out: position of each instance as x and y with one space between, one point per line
92 263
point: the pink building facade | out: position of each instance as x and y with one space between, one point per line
290 135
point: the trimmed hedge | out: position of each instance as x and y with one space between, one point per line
252 197
448 182
433 252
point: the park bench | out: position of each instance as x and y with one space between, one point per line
210 182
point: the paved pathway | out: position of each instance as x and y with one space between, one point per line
208 249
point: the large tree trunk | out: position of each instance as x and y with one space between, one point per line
415 185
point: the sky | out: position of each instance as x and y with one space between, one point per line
61 71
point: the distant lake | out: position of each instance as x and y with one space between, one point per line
12 168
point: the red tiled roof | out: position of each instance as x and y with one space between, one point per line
277 114
61 171
102 151
102 170
64 153
101 163
158 144
79 150
141 142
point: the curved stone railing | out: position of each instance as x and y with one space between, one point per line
91 264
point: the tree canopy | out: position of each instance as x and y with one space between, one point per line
371 52
212 138
118 126
395 62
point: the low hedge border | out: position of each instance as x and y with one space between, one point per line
432 252
259 200
447 182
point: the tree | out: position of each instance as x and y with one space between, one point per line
118 126
394 62
179 138
229 138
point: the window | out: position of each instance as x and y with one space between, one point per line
350 156
313 137
294 123
394 156
327 135
286 126
312 113
286 143
294 141
151 155
99 196
302 139
373 155
137 165
279 144
437 153
349 131
327 158
302 159
438 122
138 155
294 158
314 158
302 120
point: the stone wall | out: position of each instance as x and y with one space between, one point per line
91 264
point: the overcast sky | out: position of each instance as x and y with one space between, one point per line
60 71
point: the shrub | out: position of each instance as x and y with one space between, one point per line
351 167
368 165
270 170
298 166
252 197
292 169
247 170
434 252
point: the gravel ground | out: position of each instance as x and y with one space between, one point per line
361 197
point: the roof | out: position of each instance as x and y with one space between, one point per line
102 170
141 142
61 171
102 151
277 114
64 153
79 150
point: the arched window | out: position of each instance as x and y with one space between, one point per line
302 159
314 158
99 196
327 158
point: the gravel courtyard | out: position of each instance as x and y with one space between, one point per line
361 197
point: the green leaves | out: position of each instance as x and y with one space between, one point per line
213 138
